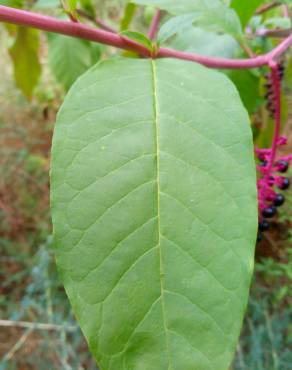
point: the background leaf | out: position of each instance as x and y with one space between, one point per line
175 25
24 53
155 213
245 9
129 13
205 43
47 4
13 3
210 15
70 57
248 85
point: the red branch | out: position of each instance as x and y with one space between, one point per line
50 24
277 116
154 25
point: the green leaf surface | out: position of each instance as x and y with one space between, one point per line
72 5
203 42
209 15
12 3
70 57
181 6
47 4
219 18
245 9
129 13
248 85
24 53
154 208
175 25
138 37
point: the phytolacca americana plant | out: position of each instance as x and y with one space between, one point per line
272 166
154 200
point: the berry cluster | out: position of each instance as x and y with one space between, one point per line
271 178
270 93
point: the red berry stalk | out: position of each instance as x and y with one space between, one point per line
271 166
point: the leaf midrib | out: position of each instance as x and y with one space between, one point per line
161 269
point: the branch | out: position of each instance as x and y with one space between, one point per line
37 325
154 25
277 116
277 33
100 23
50 24
264 8
82 31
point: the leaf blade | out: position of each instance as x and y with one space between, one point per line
24 53
69 57
135 186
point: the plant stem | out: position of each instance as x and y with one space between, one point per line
37 325
100 23
50 24
264 8
277 33
277 92
154 25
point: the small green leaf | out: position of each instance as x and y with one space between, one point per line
25 56
129 13
140 38
88 6
70 57
154 205
72 5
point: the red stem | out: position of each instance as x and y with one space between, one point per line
277 92
50 24
154 25
100 23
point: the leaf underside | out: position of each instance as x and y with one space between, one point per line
155 213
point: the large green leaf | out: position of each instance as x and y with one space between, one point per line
24 53
155 213
70 57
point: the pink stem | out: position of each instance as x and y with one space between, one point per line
50 24
100 23
277 92
154 25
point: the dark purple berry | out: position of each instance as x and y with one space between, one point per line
259 237
269 212
282 166
263 163
264 225
279 200
285 183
